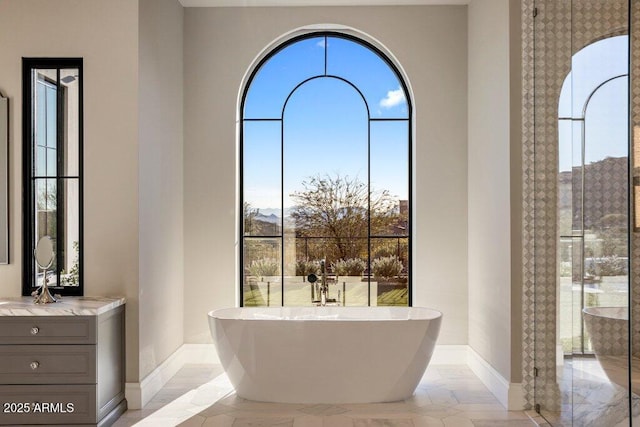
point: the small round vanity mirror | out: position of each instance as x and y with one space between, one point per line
44 252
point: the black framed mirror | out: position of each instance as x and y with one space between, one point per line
4 179
52 170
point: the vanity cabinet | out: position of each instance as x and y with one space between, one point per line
62 363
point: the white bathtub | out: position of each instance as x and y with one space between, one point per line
325 354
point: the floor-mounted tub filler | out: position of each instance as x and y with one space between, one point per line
325 354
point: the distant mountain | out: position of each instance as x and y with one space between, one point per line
269 211
271 219
273 212
606 185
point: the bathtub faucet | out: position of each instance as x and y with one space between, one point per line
324 289
320 291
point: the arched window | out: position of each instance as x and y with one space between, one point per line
593 150
325 156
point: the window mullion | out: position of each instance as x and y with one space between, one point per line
60 232
369 211
282 257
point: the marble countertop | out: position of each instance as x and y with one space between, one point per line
66 306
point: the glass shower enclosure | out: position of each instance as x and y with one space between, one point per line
581 232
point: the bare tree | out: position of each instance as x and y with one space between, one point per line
249 214
342 209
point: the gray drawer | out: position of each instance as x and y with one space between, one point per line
47 404
48 330
48 364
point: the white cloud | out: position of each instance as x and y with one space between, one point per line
393 98
321 43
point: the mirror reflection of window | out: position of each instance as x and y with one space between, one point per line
4 180
52 148
593 186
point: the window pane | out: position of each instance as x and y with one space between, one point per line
577 177
46 208
281 74
301 257
390 178
52 161
325 191
41 161
70 146
40 112
606 130
261 179
325 132
69 234
45 122
595 64
606 256
46 218
569 177
389 267
565 294
370 74
580 272
262 279
606 167
51 116
325 174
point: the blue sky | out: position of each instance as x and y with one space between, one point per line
606 133
325 121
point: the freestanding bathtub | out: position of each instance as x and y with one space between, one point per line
325 354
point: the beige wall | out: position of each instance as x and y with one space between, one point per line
431 45
105 34
160 182
494 186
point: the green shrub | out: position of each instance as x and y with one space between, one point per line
349 267
305 267
384 248
612 266
386 267
264 267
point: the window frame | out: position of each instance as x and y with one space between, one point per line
410 137
29 177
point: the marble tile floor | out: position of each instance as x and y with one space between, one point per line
589 398
447 396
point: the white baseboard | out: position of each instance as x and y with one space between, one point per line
139 394
510 395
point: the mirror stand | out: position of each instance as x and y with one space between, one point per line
44 256
45 296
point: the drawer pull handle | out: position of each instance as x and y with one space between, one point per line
35 330
34 365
